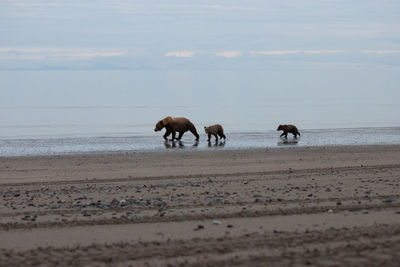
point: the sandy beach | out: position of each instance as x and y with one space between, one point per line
324 206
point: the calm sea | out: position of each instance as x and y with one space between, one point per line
56 112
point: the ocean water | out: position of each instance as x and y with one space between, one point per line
56 112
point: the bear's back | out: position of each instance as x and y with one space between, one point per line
213 128
290 128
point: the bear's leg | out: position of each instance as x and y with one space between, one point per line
294 134
173 135
180 135
282 134
216 138
209 137
167 132
221 134
194 132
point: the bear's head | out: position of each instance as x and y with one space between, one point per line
162 123
159 126
206 129
280 127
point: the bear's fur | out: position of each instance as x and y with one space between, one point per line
173 125
288 129
215 130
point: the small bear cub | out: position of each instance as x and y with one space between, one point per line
215 130
288 129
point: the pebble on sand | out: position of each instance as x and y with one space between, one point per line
215 222
199 227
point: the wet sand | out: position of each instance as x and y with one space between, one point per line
329 206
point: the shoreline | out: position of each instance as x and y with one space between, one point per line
182 150
213 149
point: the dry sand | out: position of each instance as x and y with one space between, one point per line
326 206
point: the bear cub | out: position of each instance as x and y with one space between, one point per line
288 129
215 130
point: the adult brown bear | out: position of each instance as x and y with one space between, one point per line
173 125
288 128
215 130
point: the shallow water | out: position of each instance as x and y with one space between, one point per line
235 140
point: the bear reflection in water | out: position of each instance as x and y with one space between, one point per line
178 144
216 144
288 142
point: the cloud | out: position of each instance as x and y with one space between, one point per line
39 53
180 54
229 54
295 52
381 52
277 52
35 4
317 52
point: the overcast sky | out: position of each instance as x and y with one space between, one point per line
199 35
315 63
